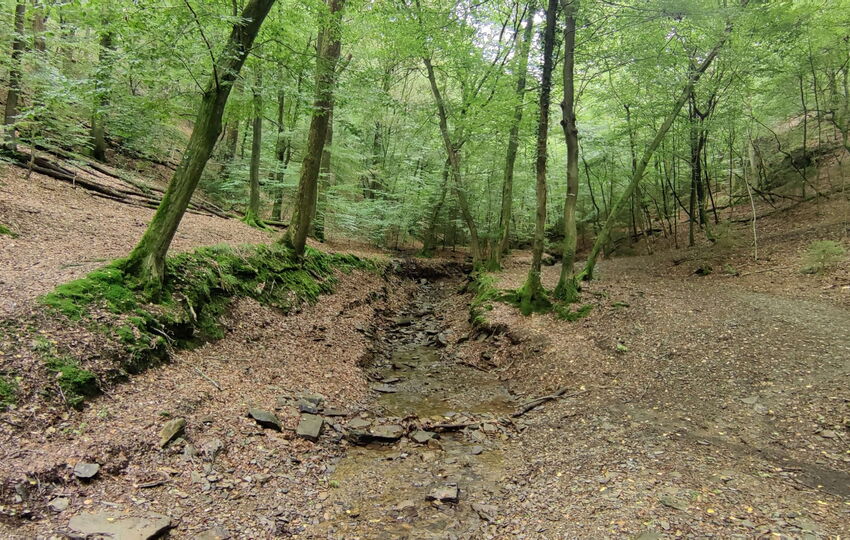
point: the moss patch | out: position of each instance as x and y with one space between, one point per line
6 231
8 391
199 287
75 383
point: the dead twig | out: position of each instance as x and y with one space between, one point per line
534 403
207 378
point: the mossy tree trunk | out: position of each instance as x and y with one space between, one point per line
279 154
532 296
567 288
324 182
101 101
252 215
12 96
147 260
513 141
328 46
617 208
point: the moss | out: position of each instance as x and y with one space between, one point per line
76 384
198 289
564 312
6 231
532 297
8 392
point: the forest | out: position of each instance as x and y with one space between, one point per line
474 268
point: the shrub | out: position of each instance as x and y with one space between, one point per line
821 256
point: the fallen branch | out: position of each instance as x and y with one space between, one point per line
534 403
204 375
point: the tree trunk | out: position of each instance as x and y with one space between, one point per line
694 76
429 241
328 46
11 113
101 102
39 23
454 161
513 141
147 260
567 288
252 216
279 154
532 296
324 182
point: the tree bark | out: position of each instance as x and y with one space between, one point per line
252 216
147 260
567 288
11 112
329 46
101 102
532 296
513 141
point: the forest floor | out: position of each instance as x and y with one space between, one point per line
695 405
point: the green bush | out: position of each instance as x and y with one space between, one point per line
821 256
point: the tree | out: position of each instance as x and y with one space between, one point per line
532 295
14 91
147 260
567 288
329 45
252 215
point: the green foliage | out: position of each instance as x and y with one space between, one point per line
821 256
106 285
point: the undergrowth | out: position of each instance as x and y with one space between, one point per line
75 384
8 391
198 288
6 231
485 292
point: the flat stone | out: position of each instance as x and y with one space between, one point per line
85 471
476 450
216 533
421 436
265 419
170 430
387 432
307 406
448 493
315 399
390 380
648 535
828 434
310 427
334 412
359 423
385 388
120 526
59 504
487 512
750 400
672 502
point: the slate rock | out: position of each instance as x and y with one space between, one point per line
448 493
334 412
828 434
476 450
310 427
648 535
672 502
422 436
387 432
750 400
385 388
59 504
120 526
390 380
487 512
308 407
265 419
216 533
359 423
86 471
170 430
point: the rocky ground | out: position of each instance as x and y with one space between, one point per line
684 405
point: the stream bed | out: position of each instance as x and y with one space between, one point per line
434 481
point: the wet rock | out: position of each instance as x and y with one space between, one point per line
86 471
310 427
476 450
216 533
265 419
387 432
385 388
115 525
59 504
403 321
390 380
448 493
170 430
422 436
442 339
359 423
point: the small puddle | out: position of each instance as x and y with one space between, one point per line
381 490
